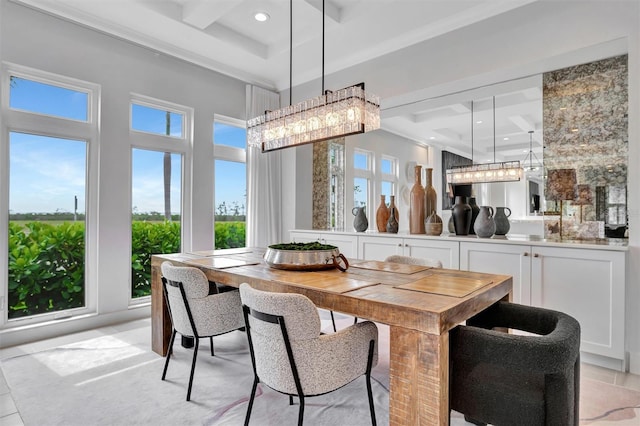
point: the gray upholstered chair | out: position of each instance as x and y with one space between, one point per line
434 263
290 355
196 313
509 379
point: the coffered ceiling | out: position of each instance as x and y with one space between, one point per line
223 35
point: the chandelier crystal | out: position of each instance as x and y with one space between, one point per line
507 171
344 112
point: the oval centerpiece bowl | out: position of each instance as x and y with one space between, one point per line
301 256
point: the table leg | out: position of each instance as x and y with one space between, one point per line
160 320
419 378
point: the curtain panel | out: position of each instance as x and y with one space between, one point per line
264 178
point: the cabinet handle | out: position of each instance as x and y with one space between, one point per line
536 255
406 245
525 254
399 245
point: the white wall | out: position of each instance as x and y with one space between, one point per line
539 37
40 41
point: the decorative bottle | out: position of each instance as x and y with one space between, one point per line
474 213
392 222
430 196
416 204
461 213
382 215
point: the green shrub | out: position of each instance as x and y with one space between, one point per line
46 261
46 267
229 234
150 238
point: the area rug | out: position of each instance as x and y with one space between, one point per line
114 379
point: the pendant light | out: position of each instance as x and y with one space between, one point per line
530 156
333 114
506 171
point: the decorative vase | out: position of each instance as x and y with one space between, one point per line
360 222
433 224
392 203
450 227
485 225
474 213
502 221
416 205
392 223
461 213
382 215
430 196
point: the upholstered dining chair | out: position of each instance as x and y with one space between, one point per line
291 356
422 261
504 378
196 313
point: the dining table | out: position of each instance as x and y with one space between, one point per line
420 305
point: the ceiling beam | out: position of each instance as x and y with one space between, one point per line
330 9
202 13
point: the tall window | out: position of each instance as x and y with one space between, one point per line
51 158
159 145
362 178
230 200
388 176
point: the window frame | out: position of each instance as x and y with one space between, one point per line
163 143
21 121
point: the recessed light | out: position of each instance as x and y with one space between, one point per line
261 16
479 122
574 130
432 137
505 139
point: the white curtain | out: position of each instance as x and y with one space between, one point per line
264 178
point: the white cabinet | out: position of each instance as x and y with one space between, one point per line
587 284
347 244
505 259
378 248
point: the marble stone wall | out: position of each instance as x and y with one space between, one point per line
328 184
585 128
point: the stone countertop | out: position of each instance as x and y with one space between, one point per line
616 244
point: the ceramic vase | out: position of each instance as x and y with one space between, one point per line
485 225
360 222
430 196
416 204
461 213
392 223
433 224
450 227
382 215
392 203
474 213
502 221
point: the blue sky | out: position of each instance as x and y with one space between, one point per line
47 173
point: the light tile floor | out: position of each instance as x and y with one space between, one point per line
10 416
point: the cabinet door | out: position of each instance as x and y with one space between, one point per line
504 259
378 248
588 285
347 244
447 252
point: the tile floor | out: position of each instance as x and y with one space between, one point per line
10 416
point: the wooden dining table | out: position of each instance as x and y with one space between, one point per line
420 304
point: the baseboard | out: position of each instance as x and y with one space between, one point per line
634 362
35 332
603 361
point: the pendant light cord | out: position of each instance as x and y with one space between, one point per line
322 47
290 52
472 132
494 129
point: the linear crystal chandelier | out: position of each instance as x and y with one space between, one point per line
333 114
506 171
